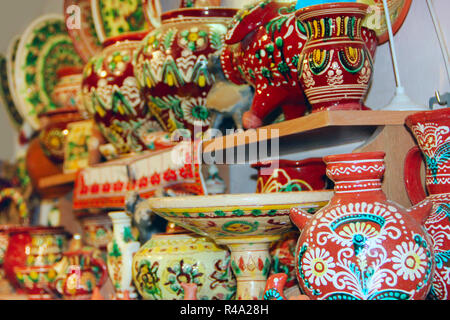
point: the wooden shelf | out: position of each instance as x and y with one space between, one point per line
316 121
57 180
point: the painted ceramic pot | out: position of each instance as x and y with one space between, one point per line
112 97
78 274
120 252
283 256
335 67
33 247
362 246
199 3
288 176
4 240
54 130
432 132
171 66
97 230
167 261
36 281
264 47
67 91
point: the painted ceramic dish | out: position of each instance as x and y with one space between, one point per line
44 48
11 55
84 35
113 18
6 95
376 20
248 224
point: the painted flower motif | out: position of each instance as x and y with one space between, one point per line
410 260
194 39
117 62
318 266
196 112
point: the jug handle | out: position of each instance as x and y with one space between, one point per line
412 176
103 271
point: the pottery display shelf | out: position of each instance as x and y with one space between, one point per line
246 223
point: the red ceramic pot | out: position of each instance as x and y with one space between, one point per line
362 246
290 176
4 240
54 131
432 132
33 247
112 97
36 282
336 66
171 66
80 275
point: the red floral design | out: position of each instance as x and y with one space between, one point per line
155 179
170 175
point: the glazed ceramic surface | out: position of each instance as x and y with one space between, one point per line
97 230
247 224
33 247
54 126
120 252
171 66
67 91
113 18
44 47
78 274
6 95
82 32
432 132
264 42
11 55
167 261
36 281
112 96
335 66
288 176
362 246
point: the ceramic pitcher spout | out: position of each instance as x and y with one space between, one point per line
300 218
421 211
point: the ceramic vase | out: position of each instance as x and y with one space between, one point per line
362 246
168 261
78 273
290 176
54 131
33 247
171 66
112 97
120 255
432 132
335 66
97 230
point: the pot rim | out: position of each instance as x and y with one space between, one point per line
288 163
69 71
350 157
39 230
427 116
331 5
210 12
28 269
129 36
59 111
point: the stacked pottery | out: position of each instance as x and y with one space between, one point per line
362 246
120 252
432 132
112 97
33 247
168 261
335 67
171 66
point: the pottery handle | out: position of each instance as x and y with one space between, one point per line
103 269
412 176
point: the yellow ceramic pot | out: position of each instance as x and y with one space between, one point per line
169 260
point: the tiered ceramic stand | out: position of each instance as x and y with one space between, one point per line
375 130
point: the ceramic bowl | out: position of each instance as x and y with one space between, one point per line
36 281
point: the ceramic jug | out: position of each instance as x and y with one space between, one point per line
362 246
120 255
432 132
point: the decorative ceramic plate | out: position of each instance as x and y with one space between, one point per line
113 18
82 32
45 47
376 20
6 97
244 215
11 55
